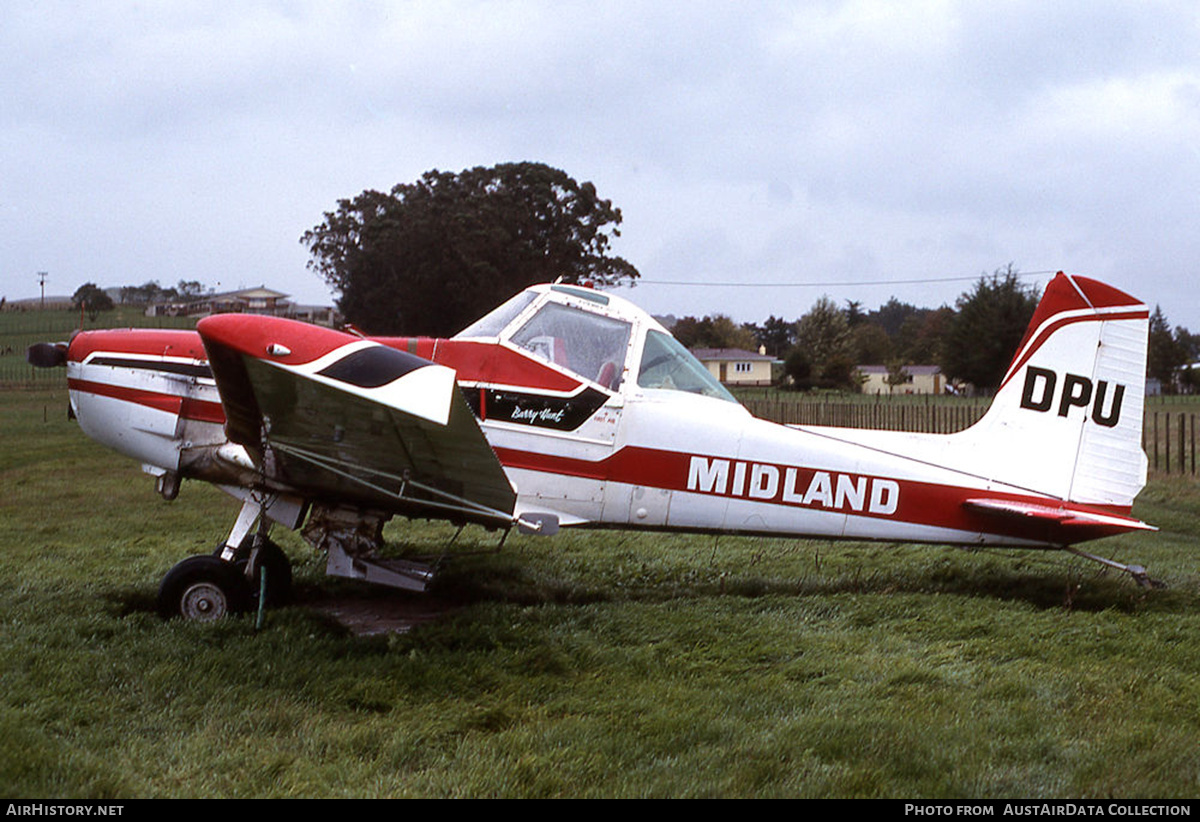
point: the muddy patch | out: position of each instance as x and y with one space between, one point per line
375 615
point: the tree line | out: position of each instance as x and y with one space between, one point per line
93 299
429 257
971 343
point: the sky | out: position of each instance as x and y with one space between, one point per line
763 154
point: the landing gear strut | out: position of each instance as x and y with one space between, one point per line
230 580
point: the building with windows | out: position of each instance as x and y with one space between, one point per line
914 379
733 366
257 300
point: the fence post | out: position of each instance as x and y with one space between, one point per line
1167 442
1182 451
1155 440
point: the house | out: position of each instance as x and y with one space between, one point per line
259 300
316 314
915 379
733 366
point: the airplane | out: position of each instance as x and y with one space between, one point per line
570 407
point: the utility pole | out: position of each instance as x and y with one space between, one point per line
42 275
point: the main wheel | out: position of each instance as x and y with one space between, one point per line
203 588
274 563
270 559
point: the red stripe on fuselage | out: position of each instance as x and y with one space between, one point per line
186 407
908 501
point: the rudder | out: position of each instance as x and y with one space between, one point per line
1067 419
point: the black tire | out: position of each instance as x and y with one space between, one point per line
274 561
203 588
278 567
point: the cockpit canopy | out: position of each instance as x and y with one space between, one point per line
598 337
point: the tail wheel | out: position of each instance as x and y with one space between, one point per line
203 588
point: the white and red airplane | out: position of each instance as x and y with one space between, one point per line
568 406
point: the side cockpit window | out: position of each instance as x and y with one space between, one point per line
667 365
590 345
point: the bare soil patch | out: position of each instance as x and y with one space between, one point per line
366 614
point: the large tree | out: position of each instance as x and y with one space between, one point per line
824 335
1166 350
432 256
91 298
776 334
714 331
983 336
922 337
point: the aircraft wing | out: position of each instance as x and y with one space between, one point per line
335 416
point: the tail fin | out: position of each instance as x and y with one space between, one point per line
1067 420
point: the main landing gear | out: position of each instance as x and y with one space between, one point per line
207 587
203 588
232 580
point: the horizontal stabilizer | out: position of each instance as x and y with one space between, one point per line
1073 522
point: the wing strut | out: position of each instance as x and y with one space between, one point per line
443 500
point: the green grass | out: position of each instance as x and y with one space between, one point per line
588 664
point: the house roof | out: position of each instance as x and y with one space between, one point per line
912 370
257 292
704 354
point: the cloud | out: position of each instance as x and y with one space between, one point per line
833 141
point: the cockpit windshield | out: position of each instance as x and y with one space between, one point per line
666 364
594 344
591 345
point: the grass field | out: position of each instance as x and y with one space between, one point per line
606 664
20 329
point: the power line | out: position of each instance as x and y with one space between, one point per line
832 284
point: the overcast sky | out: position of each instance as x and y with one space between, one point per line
843 148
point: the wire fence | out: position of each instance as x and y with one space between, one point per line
20 329
933 418
1168 437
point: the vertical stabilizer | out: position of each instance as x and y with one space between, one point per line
1067 420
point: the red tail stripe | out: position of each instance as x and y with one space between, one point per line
1058 324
